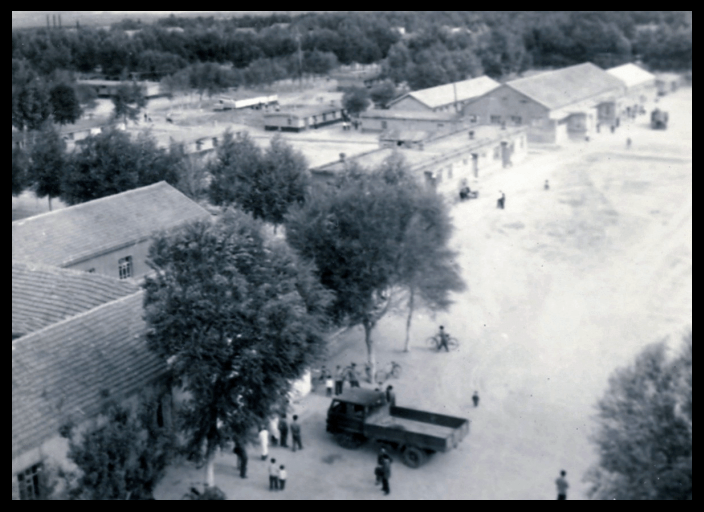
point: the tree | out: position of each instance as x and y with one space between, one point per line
110 163
237 317
47 164
645 429
121 456
356 100
263 184
19 166
383 93
65 107
30 105
128 100
356 231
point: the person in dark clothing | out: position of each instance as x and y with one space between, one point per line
475 399
562 485
241 453
381 459
273 476
339 380
353 376
295 434
386 474
390 396
443 339
283 431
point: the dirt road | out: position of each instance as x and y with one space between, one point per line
564 286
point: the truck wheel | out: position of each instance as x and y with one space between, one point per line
414 457
349 441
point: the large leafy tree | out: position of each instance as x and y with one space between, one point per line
19 168
65 107
238 317
263 183
110 163
128 100
120 456
645 429
357 231
356 100
47 163
30 104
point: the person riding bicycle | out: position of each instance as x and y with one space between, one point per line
443 338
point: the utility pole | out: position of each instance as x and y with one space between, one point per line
454 88
300 60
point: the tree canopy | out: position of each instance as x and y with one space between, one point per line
262 183
356 232
110 163
645 429
356 100
237 317
47 163
128 100
65 107
19 166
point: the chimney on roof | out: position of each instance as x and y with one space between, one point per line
471 134
342 157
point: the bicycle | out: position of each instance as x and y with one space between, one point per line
392 369
435 343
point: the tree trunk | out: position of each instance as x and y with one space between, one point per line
408 320
371 356
210 471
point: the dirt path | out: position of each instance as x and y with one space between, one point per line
564 286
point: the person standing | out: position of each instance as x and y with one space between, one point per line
241 453
264 442
353 376
339 380
443 339
628 143
274 430
390 396
283 431
475 398
547 185
296 434
328 385
273 476
386 461
282 477
562 485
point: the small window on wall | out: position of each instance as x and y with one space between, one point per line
289 121
495 119
516 120
124 266
384 125
91 271
473 119
28 481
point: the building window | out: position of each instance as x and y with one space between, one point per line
91 270
495 119
28 481
384 125
124 266
472 118
516 120
289 121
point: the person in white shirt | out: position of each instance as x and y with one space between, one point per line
264 442
273 476
274 430
282 477
328 385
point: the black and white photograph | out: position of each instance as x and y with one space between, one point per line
351 255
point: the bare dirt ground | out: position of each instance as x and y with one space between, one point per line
565 286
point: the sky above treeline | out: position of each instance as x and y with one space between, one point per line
26 19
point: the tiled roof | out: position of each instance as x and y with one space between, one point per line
60 372
43 295
566 86
631 75
443 95
67 236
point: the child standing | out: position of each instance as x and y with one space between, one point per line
282 477
273 476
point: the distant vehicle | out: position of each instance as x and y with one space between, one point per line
359 415
658 119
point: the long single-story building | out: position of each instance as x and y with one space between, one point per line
445 161
445 98
81 340
639 84
108 88
554 104
304 118
383 120
109 236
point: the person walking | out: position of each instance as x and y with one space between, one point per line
241 453
628 143
339 380
296 434
283 431
443 339
390 396
475 398
328 385
273 476
547 185
562 485
282 477
264 442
